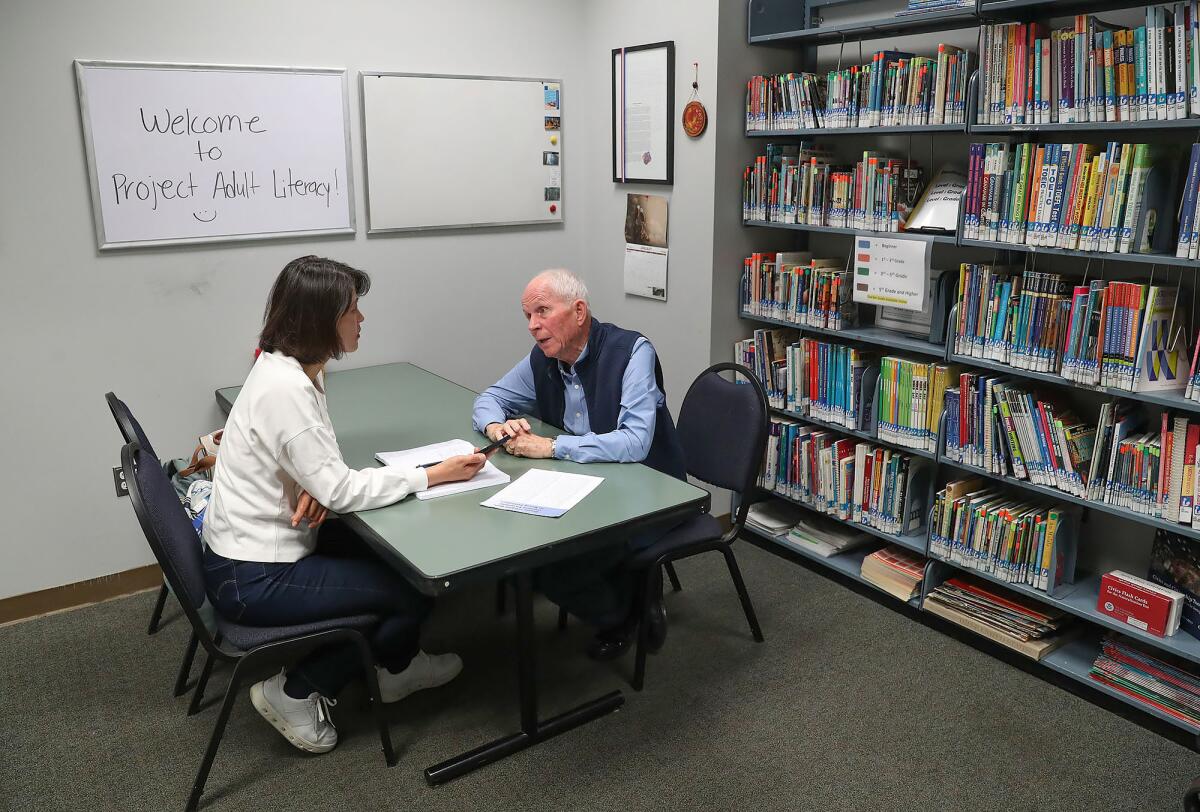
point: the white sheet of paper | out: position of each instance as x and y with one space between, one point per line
891 271
544 493
646 271
488 476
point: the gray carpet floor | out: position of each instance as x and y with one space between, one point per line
848 705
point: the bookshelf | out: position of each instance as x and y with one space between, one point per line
791 25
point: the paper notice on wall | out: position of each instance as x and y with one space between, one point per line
891 271
646 246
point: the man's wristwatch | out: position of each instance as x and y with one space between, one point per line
553 446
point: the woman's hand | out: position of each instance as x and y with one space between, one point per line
309 509
455 469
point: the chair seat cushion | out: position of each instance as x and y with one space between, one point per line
704 527
248 637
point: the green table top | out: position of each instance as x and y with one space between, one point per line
446 541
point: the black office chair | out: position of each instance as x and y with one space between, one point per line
132 431
723 430
170 535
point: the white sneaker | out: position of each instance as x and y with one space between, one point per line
303 722
425 671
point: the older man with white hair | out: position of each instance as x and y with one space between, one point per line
604 387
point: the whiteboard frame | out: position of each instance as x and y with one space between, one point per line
362 74
98 213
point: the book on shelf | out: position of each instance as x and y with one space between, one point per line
910 397
1123 335
895 570
895 89
1159 680
825 536
794 286
1092 71
1140 603
1008 538
1116 198
1175 564
803 185
1187 243
767 355
1012 620
852 480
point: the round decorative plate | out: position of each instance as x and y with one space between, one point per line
695 118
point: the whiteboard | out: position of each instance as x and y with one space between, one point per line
461 151
202 153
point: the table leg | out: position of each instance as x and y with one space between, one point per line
533 730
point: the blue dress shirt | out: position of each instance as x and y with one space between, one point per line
630 441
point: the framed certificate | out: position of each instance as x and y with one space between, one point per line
643 101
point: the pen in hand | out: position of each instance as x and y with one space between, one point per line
486 450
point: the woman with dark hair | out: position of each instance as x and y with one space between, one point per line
278 474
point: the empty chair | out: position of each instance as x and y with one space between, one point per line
173 541
723 430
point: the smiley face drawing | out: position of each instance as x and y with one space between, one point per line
213 216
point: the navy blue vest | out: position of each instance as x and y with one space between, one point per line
608 351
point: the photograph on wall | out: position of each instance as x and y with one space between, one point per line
646 246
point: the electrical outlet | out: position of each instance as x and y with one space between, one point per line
119 482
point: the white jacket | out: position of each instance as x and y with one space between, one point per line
279 440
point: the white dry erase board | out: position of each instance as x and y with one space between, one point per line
202 153
461 151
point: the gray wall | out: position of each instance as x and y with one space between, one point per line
163 328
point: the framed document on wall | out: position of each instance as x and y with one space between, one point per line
643 101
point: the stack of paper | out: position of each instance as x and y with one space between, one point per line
894 570
825 537
544 493
773 516
488 476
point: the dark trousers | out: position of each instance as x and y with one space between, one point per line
596 587
341 578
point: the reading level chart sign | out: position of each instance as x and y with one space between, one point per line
891 271
199 153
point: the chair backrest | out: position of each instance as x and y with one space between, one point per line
130 428
723 428
168 530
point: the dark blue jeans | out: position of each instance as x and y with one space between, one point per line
597 587
342 577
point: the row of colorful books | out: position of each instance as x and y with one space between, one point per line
910 395
1117 198
793 286
899 400
876 193
1125 335
1092 71
849 479
981 527
894 89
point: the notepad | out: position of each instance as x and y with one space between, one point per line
544 493
488 476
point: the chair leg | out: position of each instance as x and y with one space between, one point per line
202 683
501 597
747 606
562 619
185 667
642 596
156 615
670 568
376 699
215 740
